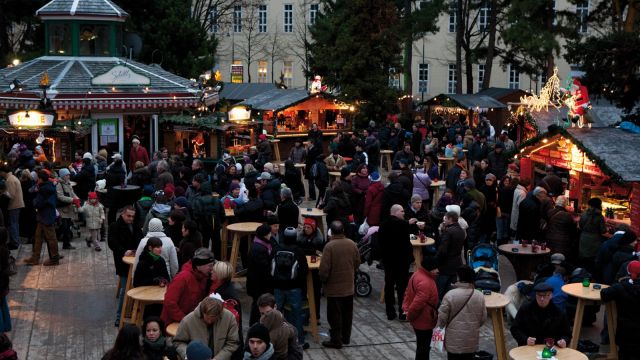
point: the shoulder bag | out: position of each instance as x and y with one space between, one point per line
438 338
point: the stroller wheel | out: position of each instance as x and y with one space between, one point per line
363 288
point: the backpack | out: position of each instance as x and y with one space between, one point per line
230 304
284 266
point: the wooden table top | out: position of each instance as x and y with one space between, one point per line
315 265
274 140
246 227
508 248
444 158
531 353
129 259
172 329
416 241
148 293
438 183
495 300
314 212
300 165
386 151
579 291
229 213
338 173
126 187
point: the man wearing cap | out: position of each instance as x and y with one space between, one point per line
498 161
16 202
264 149
259 345
210 323
189 287
85 178
626 294
137 153
269 190
557 281
169 253
540 319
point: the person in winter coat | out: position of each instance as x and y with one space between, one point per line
505 201
626 295
288 210
5 273
169 253
45 204
488 219
453 175
448 253
94 215
373 200
264 149
191 241
67 204
259 346
155 344
127 345
335 162
393 194
141 175
151 269
137 153
259 279
561 231
592 228
421 184
498 161
530 216
540 319
404 154
480 170
320 174
159 210
85 178
298 153
519 194
281 333
269 189
337 206
462 312
211 324
290 278
221 284
421 305
189 287
415 212
293 180
15 204
359 185
208 212
143 205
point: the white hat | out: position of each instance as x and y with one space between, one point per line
87 155
155 225
135 141
264 176
454 208
116 156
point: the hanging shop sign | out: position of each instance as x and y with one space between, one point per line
31 118
120 75
237 74
239 113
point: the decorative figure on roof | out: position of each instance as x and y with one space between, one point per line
549 95
316 86
44 80
579 104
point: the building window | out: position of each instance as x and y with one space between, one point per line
582 12
452 18
59 39
514 78
288 18
313 13
483 17
423 78
453 79
262 71
94 40
262 18
237 18
214 20
394 78
288 73
480 76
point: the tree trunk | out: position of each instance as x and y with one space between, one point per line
491 45
459 29
408 52
468 63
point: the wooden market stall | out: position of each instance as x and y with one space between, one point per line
597 162
467 107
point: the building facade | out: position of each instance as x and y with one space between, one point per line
262 41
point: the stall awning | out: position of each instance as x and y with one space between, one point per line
241 92
467 101
276 99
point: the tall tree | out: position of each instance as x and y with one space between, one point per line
355 43
274 48
302 37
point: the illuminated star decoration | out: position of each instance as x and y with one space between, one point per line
549 95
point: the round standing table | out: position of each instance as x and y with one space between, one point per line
313 320
527 352
524 260
438 187
445 161
142 296
120 196
301 167
276 149
172 329
417 249
386 155
317 214
240 229
495 304
129 260
587 295
228 213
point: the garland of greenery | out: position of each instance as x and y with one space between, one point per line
557 130
208 122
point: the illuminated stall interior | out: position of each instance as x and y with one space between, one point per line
465 107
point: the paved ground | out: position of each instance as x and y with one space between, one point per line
67 312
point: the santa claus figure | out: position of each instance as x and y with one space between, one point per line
578 102
316 85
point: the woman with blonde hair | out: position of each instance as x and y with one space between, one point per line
221 275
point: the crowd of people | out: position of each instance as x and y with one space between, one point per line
174 231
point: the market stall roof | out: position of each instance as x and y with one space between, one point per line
500 93
467 101
276 99
244 91
617 148
81 8
88 83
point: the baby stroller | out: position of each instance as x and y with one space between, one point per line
365 247
483 259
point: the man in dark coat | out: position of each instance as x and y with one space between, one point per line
626 295
85 178
541 319
448 254
531 215
453 175
259 279
552 182
479 149
45 204
397 255
124 237
498 161
394 193
288 211
269 190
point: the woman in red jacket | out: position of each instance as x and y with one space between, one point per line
373 200
421 305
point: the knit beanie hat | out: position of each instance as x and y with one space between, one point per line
93 195
633 269
234 186
63 172
258 331
169 191
148 190
198 351
202 256
181 202
375 176
155 225
311 222
263 230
